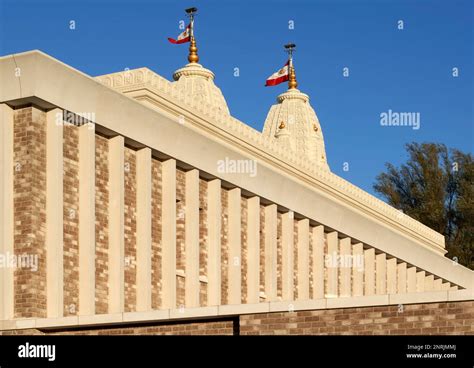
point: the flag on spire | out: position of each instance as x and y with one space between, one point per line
183 37
279 77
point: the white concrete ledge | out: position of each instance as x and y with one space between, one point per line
466 294
236 309
100 319
57 322
288 306
182 314
146 316
426 297
27 323
358 301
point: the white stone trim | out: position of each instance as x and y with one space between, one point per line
54 214
6 210
182 314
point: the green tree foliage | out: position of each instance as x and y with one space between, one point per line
436 187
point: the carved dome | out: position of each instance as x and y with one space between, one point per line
198 81
293 123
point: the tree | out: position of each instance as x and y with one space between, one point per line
436 187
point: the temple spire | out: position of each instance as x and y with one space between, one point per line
292 83
193 56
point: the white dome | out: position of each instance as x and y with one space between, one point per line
293 123
198 82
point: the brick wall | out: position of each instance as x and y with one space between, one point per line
448 318
71 219
180 235
203 241
217 327
411 319
101 223
156 193
224 246
130 230
262 250
29 182
244 249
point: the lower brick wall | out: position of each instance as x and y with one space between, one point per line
453 318
413 319
213 327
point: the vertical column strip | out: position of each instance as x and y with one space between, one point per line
358 269
253 250
303 259
271 252
144 257
429 281
86 223
381 273
235 262
191 238
392 276
6 211
369 274
420 281
318 262
345 266
411 279
54 213
116 225
332 265
169 234
287 229
214 241
402 278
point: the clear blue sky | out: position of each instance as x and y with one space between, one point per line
405 71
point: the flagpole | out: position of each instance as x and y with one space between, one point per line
292 83
193 56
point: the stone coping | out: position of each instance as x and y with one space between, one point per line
183 314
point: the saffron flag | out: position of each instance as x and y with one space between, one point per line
183 37
278 77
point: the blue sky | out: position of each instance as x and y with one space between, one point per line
406 70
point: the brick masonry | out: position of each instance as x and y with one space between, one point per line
130 229
262 250
413 319
244 249
224 246
29 181
447 318
156 200
180 237
71 219
101 224
203 241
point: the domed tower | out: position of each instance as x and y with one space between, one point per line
193 78
293 123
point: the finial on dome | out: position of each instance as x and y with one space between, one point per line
193 56
292 83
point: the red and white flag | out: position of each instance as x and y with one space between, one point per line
183 37
279 77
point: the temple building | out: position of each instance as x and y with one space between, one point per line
117 214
